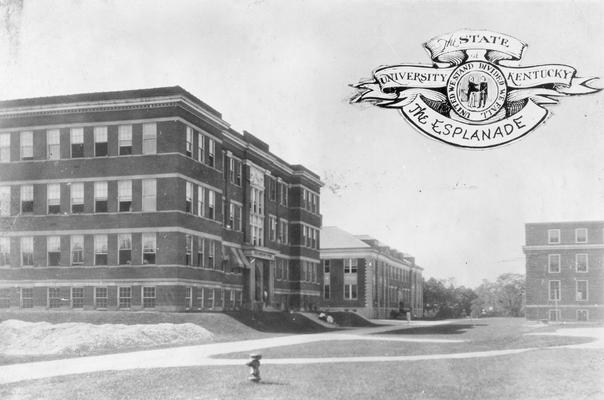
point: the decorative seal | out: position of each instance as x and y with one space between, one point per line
475 95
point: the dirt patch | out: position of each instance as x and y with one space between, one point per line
20 338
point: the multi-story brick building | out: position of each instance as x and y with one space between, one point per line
564 271
148 199
363 275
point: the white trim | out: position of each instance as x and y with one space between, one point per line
112 178
164 229
586 289
577 235
110 105
549 231
586 263
549 263
549 290
578 246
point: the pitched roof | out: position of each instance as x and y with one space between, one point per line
333 237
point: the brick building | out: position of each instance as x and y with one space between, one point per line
148 199
363 275
564 271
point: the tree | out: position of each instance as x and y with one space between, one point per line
504 297
443 300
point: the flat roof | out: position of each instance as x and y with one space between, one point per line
107 96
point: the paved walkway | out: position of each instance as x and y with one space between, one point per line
201 355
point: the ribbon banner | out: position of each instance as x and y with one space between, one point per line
468 98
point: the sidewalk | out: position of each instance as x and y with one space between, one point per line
189 355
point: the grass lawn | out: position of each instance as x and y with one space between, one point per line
478 335
542 374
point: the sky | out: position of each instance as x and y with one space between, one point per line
283 69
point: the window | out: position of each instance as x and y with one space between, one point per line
582 315
283 231
149 138
553 236
304 199
125 248
125 139
235 171
149 194
27 145
188 298
211 204
148 297
77 250
54 297
314 240
149 248
4 251
283 197
124 194
100 141
100 250
581 235
188 197
5 298
272 189
200 201
235 211
4 147
200 245
350 265
211 255
27 251
77 198
272 230
553 263
77 297
27 297
53 249
350 291
554 290
4 200
581 262
100 197
77 142
200 140
100 297
582 290
53 198
53 144
326 266
189 144
211 152
305 236
554 315
27 199
188 249
125 297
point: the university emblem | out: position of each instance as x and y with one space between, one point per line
475 95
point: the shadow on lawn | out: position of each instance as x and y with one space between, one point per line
278 322
445 329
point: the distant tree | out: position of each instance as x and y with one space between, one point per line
443 300
504 297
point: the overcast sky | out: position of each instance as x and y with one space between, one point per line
282 70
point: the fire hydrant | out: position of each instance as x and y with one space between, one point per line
254 365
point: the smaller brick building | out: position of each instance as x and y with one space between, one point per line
363 275
564 274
